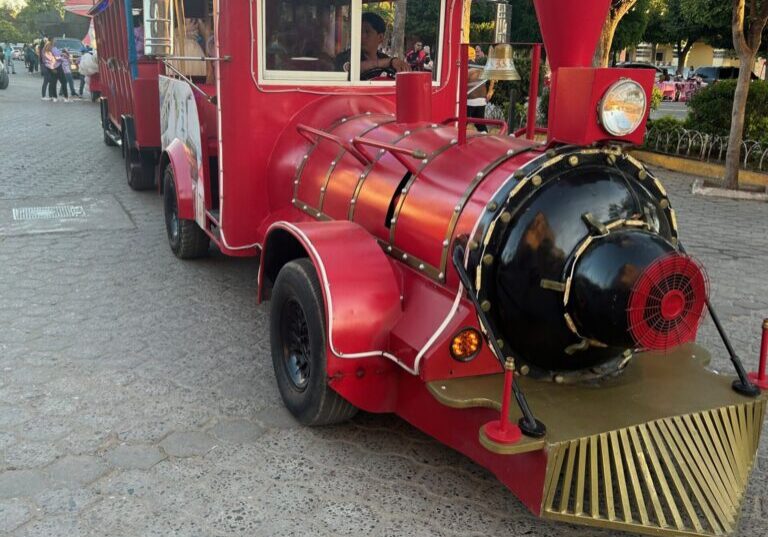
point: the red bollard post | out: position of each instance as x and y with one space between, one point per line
502 431
759 377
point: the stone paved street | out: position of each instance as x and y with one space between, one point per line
137 394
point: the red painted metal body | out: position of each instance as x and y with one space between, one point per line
760 377
375 185
129 82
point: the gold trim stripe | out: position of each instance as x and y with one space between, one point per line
683 475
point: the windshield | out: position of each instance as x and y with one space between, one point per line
69 44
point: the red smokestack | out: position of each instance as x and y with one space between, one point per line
414 97
571 29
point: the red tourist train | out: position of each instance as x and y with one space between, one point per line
530 304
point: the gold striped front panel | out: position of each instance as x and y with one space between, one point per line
683 475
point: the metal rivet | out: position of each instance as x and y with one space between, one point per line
296 182
293 200
519 174
334 162
642 174
457 208
454 141
506 217
367 113
664 204
322 189
559 379
407 133
362 176
304 207
446 242
488 260
551 153
480 175
474 245
393 220
381 152
500 343
611 159
440 276
573 160
343 120
536 180
405 257
421 266
525 370
305 157
353 201
493 206
389 248
485 306
425 161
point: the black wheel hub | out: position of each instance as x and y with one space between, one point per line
296 347
171 213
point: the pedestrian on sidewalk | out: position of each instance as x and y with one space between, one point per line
31 57
44 70
66 67
9 63
52 59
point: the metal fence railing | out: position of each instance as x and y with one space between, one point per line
705 147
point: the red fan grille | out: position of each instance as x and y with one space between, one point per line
667 303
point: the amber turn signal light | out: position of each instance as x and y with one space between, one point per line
466 344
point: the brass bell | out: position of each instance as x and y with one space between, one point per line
501 64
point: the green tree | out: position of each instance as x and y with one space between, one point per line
631 29
9 33
26 18
747 25
619 8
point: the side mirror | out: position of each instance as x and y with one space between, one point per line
158 28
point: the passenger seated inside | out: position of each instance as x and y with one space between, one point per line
373 62
196 41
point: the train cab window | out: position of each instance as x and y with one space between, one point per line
342 42
305 36
387 49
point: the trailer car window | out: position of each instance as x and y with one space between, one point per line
306 36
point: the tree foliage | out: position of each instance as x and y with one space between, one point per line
631 27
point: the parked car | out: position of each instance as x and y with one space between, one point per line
660 73
74 47
17 54
671 70
713 74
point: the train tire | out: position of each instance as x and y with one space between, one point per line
186 239
139 169
297 335
108 139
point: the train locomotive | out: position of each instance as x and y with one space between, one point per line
529 304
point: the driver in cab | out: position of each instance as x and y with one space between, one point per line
372 60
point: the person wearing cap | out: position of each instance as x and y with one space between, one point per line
372 34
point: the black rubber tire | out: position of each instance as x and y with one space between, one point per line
95 96
139 168
4 80
108 139
187 240
314 402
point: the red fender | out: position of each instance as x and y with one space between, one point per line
182 173
361 290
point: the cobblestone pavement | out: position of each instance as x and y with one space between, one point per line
137 397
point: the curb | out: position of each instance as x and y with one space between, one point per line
699 189
696 167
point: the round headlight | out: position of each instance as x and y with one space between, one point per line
623 107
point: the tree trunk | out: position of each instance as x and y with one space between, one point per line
682 55
603 51
398 33
733 155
